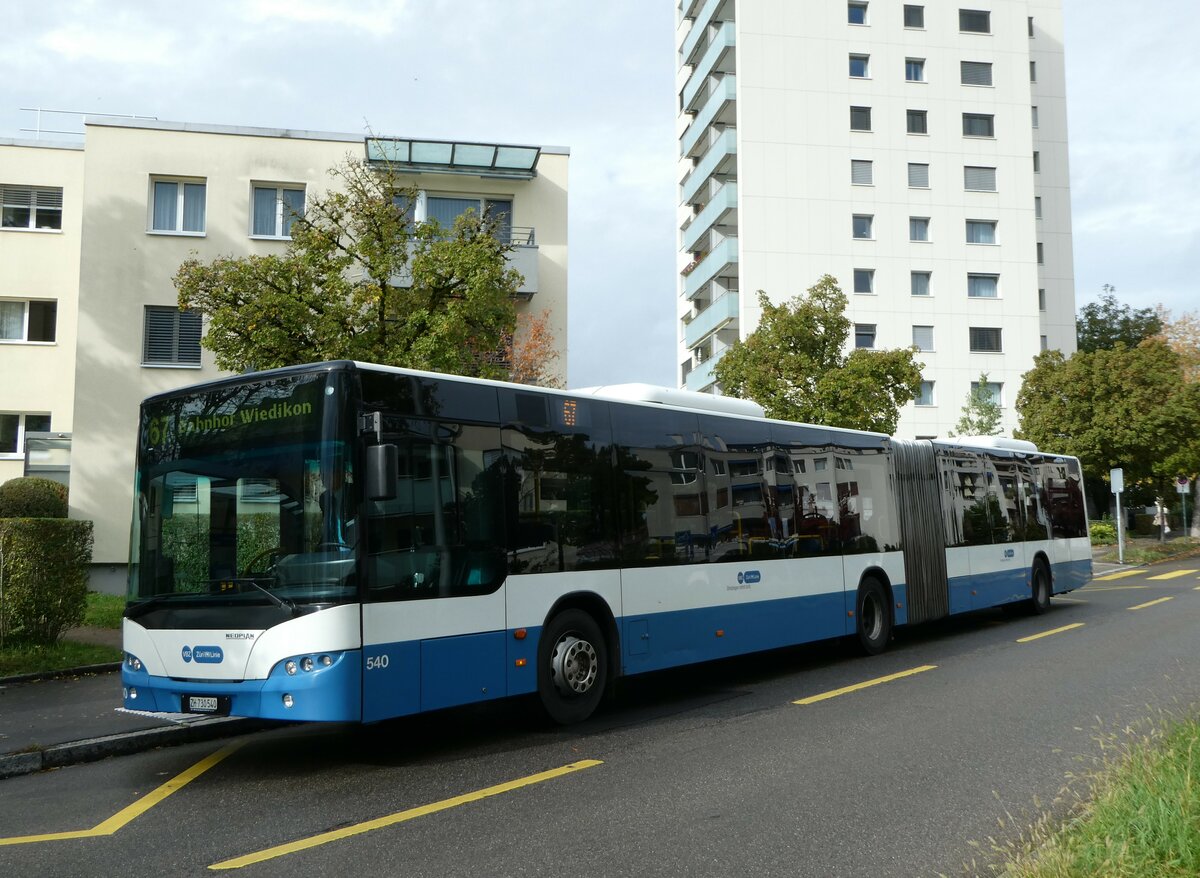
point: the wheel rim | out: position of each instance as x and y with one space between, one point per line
574 665
871 618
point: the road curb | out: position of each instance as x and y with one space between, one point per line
92 749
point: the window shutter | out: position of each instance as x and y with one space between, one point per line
985 339
918 176
50 199
979 179
922 337
18 196
171 336
860 172
976 73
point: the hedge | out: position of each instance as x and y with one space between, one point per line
43 576
31 497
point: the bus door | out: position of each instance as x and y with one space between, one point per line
1005 580
434 616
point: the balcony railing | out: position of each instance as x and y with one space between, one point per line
717 315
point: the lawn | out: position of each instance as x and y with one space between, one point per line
31 659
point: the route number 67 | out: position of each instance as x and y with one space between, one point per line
377 662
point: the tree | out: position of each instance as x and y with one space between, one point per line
1126 407
1101 325
981 414
531 352
1183 336
793 365
362 280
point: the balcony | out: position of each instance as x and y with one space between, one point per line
523 257
719 10
720 213
720 57
701 377
721 262
714 317
720 160
721 109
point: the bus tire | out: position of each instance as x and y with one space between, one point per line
873 616
572 667
1039 603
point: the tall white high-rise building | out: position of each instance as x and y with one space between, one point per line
916 152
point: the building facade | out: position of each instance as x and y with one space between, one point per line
916 152
138 198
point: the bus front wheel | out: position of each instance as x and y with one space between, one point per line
572 667
874 616
1040 602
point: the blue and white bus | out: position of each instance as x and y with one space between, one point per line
351 542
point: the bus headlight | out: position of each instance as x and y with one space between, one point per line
326 661
288 701
134 663
306 663
290 667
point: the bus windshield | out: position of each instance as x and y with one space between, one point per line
245 495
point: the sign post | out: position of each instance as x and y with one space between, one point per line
1116 478
1183 485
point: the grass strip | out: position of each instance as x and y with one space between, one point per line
26 658
104 610
1142 820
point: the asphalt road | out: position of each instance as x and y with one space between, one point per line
706 771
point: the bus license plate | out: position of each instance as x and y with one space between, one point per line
204 704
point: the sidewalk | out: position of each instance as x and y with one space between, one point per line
78 717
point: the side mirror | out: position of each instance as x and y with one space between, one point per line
382 472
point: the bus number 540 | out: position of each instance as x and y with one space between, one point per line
377 662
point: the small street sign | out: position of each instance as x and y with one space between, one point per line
1116 478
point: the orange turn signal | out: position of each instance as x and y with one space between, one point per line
720 632
520 663
520 633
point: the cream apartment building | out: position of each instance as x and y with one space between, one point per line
140 197
915 151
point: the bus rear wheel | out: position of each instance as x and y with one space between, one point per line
1039 604
572 667
873 616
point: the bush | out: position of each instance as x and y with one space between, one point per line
1103 533
43 576
31 497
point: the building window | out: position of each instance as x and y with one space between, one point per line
977 179
1037 206
29 320
856 13
31 207
1044 344
863 225
985 340
1037 162
974 21
981 231
994 390
275 207
1041 254
171 337
978 125
914 69
859 66
919 282
925 397
918 228
1033 71
983 286
923 338
914 16
917 121
864 335
1031 26
1041 300
860 118
446 209
975 72
918 175
861 173
14 426
864 280
178 207
1034 116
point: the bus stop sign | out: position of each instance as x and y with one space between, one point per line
1117 480
1181 485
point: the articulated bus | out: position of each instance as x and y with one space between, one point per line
348 542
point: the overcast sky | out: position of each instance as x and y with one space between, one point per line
598 78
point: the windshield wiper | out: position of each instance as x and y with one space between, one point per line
282 603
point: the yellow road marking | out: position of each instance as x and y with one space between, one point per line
1174 574
1096 588
1120 574
1152 603
401 816
1048 633
137 809
813 699
1067 600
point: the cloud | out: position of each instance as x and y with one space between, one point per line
378 17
